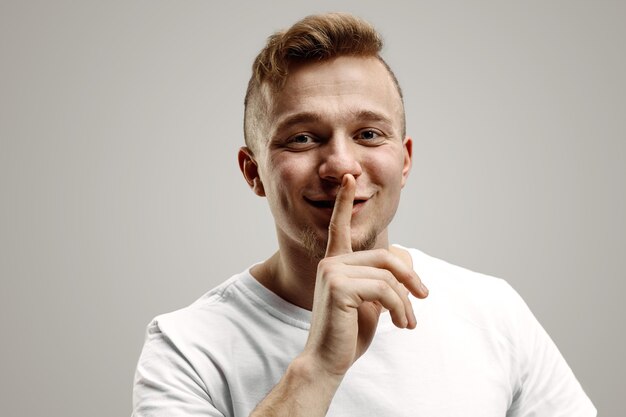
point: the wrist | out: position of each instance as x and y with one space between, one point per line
306 370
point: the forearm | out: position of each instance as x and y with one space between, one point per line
304 390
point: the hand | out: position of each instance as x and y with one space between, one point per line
351 290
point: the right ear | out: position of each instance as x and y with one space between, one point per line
250 170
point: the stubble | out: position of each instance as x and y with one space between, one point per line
316 247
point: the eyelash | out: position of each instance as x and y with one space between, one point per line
300 135
292 140
378 134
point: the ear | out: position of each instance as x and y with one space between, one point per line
250 170
408 158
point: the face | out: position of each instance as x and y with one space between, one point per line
332 118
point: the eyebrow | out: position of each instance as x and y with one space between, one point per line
296 119
313 117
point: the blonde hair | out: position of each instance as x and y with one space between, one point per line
312 39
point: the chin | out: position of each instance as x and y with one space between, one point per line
315 244
366 243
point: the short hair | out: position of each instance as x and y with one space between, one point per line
313 39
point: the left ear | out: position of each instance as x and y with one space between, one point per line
408 158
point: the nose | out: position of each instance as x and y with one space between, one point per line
340 156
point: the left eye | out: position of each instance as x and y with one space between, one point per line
369 135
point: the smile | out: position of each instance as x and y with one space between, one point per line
330 204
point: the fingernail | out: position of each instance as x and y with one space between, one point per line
423 288
344 180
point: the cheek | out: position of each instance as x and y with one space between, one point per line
384 168
289 175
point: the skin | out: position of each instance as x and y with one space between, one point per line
332 169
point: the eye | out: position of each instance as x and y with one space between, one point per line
370 136
301 141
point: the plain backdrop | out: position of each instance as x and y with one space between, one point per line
121 197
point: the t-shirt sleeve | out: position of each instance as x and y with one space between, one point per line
166 384
547 386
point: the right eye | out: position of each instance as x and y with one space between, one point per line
301 141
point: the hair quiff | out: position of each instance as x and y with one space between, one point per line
314 38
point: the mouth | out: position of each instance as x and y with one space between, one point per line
330 204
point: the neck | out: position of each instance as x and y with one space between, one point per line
291 276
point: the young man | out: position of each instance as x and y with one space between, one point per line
338 322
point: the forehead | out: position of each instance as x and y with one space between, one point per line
337 88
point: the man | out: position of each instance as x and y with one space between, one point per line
338 322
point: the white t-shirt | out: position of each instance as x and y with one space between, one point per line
477 351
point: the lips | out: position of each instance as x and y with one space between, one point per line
330 203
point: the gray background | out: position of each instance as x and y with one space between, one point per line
121 197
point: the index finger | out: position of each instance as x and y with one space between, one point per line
339 232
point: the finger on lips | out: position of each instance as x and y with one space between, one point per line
388 278
339 236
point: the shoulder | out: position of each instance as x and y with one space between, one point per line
456 280
481 300
205 318
181 356
238 309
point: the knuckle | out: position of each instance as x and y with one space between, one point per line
335 283
336 287
398 305
393 283
382 286
335 226
388 259
323 265
329 264
381 253
390 279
